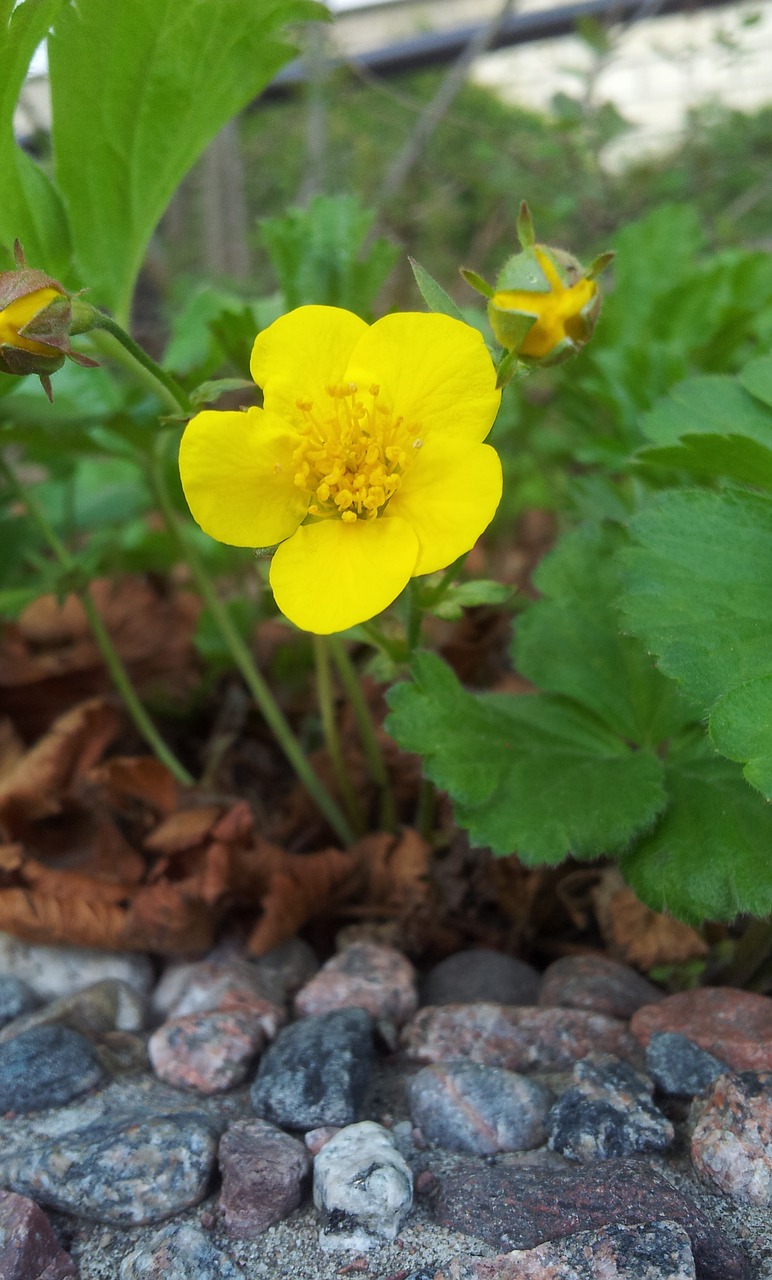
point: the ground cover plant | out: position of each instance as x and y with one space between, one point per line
293 518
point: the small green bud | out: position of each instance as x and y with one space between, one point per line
37 317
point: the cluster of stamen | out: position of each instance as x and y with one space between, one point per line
352 453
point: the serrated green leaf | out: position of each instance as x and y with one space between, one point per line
138 90
571 642
30 210
467 595
708 856
697 593
756 377
532 774
709 457
715 404
433 293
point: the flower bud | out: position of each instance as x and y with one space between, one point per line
37 317
544 305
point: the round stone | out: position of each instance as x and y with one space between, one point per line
477 974
46 1067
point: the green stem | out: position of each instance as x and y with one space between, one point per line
426 809
368 736
326 698
164 385
262 695
415 617
112 660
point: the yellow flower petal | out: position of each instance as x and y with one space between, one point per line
449 496
432 370
332 575
301 354
238 476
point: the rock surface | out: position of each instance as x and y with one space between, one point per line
522 1208
29 1249
207 1052
363 1188
518 1039
16 998
110 1005
734 1025
732 1137
179 1252
478 974
607 1111
60 971
264 1172
46 1067
316 1071
465 1106
680 1067
651 1251
364 976
597 983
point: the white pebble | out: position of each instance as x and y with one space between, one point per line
362 1187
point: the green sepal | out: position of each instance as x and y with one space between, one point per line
526 232
433 294
477 282
599 264
506 368
523 272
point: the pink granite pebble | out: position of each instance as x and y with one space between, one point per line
732 1137
367 976
208 1052
734 1025
264 1173
315 1139
208 984
29 1249
649 1251
520 1038
597 983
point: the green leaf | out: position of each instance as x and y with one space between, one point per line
138 91
715 404
708 856
433 293
756 377
571 642
531 774
30 208
708 457
467 595
698 596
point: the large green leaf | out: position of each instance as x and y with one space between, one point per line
30 208
698 595
531 774
708 856
570 642
139 89
715 404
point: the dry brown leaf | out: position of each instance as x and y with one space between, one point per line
397 870
11 857
183 830
48 658
36 917
637 935
307 886
11 746
136 778
163 918
35 786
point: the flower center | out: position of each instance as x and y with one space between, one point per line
352 453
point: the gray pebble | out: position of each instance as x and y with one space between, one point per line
110 1005
363 1188
478 974
679 1066
129 1155
607 1111
54 971
16 998
179 1252
316 1071
466 1106
46 1067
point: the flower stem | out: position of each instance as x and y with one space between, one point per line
164 385
326 698
370 744
112 660
262 695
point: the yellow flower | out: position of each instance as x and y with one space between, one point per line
564 312
366 463
19 313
